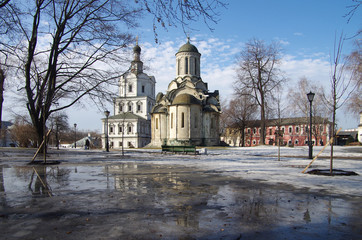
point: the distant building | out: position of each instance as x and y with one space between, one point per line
130 125
187 114
5 135
294 131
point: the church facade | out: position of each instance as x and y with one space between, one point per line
187 114
130 125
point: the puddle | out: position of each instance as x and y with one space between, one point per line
145 201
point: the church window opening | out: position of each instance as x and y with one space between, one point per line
130 88
129 129
143 88
139 107
110 129
171 120
182 120
195 66
186 65
178 66
120 129
156 123
248 130
120 108
129 108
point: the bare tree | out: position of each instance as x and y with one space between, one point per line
66 50
240 111
299 104
341 87
258 75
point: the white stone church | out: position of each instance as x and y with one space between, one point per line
130 125
187 114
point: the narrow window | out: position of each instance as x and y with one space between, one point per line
178 66
119 144
143 88
297 129
254 130
195 65
156 123
129 129
120 108
111 129
182 120
139 107
171 120
186 65
290 129
120 129
321 128
130 88
270 131
130 108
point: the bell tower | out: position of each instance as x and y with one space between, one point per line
188 61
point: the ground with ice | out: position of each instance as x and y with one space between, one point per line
230 193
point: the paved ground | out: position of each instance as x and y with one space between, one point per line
91 195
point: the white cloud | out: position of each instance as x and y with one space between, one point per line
298 34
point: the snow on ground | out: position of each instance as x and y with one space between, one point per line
261 163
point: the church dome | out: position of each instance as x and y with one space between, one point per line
188 47
185 99
137 49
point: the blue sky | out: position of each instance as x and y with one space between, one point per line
306 30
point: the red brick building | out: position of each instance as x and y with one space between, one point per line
294 132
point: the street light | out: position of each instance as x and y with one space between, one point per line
107 144
310 96
75 135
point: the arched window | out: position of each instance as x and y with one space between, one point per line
297 129
130 88
195 65
156 123
290 129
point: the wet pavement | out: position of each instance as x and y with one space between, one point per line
139 200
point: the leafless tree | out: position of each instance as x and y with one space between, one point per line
240 111
299 104
341 86
258 75
66 50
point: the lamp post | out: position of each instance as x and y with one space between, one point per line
310 96
106 143
75 135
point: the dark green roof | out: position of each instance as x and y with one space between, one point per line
127 115
188 47
185 99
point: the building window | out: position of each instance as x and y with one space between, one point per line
182 120
254 131
195 66
254 142
120 144
282 130
290 129
120 129
143 88
129 129
270 131
156 123
120 108
297 129
248 130
130 88
110 129
171 120
186 65
138 107
296 142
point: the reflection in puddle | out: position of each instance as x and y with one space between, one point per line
166 201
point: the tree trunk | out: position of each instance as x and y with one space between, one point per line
2 79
